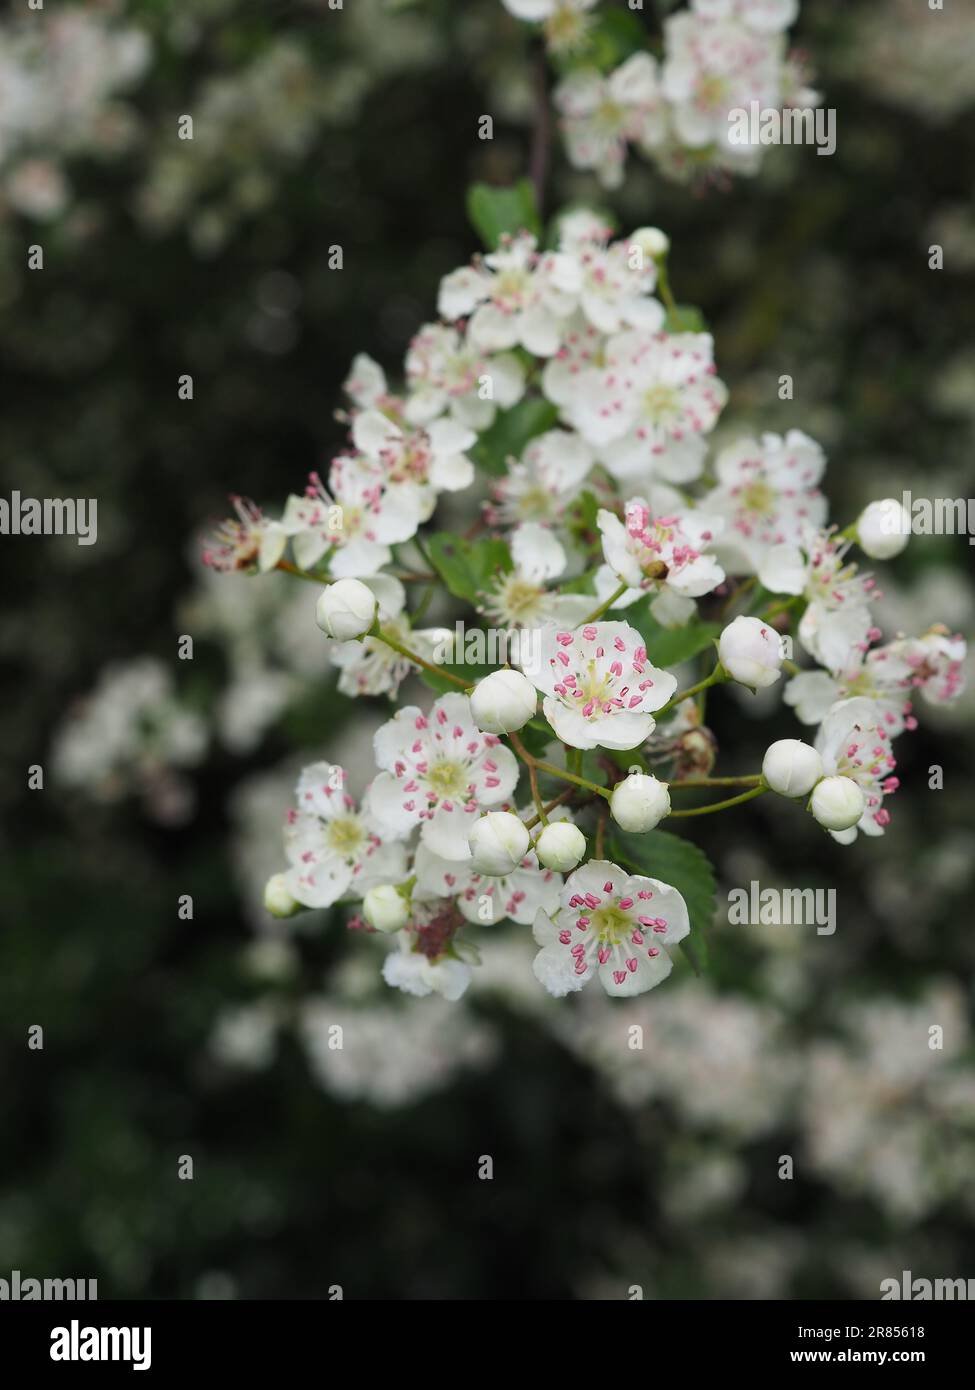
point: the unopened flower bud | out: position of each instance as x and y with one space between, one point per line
503 702
346 609
792 767
652 241
499 842
838 803
884 528
278 899
639 802
560 846
750 650
385 908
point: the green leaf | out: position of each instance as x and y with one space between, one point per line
465 566
669 646
494 212
685 318
616 35
676 861
511 431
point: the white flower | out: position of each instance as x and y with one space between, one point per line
751 652
883 529
346 609
654 243
837 617
334 849
537 10
854 742
358 522
768 493
599 685
712 67
612 923
245 542
366 383
600 115
414 465
649 552
647 410
560 846
498 842
639 802
444 371
385 908
277 897
414 973
791 767
487 899
440 770
520 598
764 16
551 472
514 296
503 701
838 803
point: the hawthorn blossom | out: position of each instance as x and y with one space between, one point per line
837 617
930 666
246 541
439 772
334 849
370 666
714 66
611 923
414 465
602 114
599 685
566 22
544 483
485 899
617 284
514 296
445 371
664 554
853 741
764 16
423 961
647 410
356 523
520 598
769 495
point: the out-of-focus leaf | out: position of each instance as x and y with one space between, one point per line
495 212
511 431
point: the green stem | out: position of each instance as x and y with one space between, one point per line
717 677
721 805
693 782
604 607
420 661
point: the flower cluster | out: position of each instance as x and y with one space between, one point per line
719 57
610 536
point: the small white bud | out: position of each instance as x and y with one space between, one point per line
503 702
653 241
884 528
751 652
560 846
639 802
838 803
346 609
278 899
845 837
792 767
499 842
385 908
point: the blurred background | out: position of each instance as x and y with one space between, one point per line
209 1037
